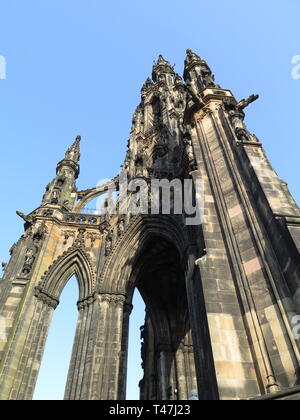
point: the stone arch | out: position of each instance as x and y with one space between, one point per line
158 243
115 274
89 195
73 262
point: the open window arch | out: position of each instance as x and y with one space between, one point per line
74 262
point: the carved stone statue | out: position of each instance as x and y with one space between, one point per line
29 257
190 153
108 246
121 227
55 197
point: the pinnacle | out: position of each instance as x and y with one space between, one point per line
191 55
148 84
161 61
73 153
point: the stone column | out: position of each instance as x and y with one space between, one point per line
181 374
21 362
164 368
124 351
81 366
99 360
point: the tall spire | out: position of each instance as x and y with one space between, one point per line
62 190
197 73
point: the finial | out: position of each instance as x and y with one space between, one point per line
148 84
73 153
192 55
161 61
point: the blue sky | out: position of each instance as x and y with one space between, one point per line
76 67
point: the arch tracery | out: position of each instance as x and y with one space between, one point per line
74 261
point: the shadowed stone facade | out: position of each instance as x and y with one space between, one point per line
221 297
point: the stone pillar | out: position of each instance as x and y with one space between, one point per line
81 366
99 360
165 368
21 362
181 375
124 351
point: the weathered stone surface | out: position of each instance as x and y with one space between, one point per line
221 296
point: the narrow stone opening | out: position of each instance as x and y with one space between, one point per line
52 377
135 372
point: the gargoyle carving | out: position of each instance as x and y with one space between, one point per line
27 219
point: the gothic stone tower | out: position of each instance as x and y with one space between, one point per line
221 296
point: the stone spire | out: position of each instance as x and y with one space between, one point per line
73 153
62 190
160 69
197 73
147 85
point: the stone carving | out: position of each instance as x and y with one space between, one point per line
113 297
33 249
80 240
27 219
93 237
108 245
236 117
121 227
245 102
82 219
30 255
48 213
40 232
190 153
68 234
44 297
84 303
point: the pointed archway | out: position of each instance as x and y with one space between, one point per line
55 364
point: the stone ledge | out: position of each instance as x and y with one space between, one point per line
292 394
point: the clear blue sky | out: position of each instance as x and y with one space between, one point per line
76 67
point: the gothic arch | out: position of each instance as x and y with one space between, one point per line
72 262
151 256
117 271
